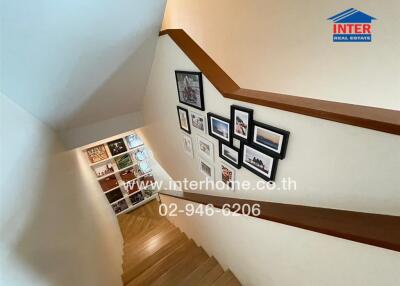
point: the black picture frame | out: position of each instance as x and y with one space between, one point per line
117 147
210 117
178 108
247 138
226 158
182 94
257 170
280 151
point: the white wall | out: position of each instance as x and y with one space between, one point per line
80 136
286 47
334 165
56 226
262 253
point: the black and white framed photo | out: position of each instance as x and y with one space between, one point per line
261 164
198 121
227 175
205 148
241 120
190 88
230 154
206 169
270 138
187 145
117 147
183 116
219 127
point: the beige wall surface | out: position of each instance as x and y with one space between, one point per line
56 226
334 165
286 47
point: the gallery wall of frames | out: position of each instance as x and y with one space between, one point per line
122 169
242 140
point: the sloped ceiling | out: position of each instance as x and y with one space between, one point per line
73 63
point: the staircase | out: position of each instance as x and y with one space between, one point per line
158 253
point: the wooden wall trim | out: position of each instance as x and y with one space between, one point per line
373 229
385 120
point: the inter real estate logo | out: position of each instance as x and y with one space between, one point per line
352 26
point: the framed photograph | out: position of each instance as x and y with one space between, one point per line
219 127
127 175
119 206
190 88
136 198
183 116
230 154
198 121
144 167
114 195
205 148
103 169
108 183
133 141
123 161
139 155
187 145
259 163
270 138
242 120
117 147
227 175
206 169
97 153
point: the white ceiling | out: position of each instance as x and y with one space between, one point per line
72 63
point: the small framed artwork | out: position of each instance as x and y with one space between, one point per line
261 164
127 175
97 153
206 169
270 138
183 116
119 206
114 195
108 183
187 145
219 127
133 141
242 120
144 167
117 147
190 88
198 121
205 148
136 198
227 175
103 169
123 161
230 154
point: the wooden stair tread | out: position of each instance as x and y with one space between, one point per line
163 265
152 243
211 276
144 260
226 279
134 241
178 272
199 272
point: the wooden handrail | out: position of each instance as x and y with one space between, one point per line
373 229
385 120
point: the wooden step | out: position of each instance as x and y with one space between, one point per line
226 279
211 276
142 227
163 265
158 231
182 269
199 272
154 252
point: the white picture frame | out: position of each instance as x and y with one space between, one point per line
198 121
205 148
206 169
187 144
